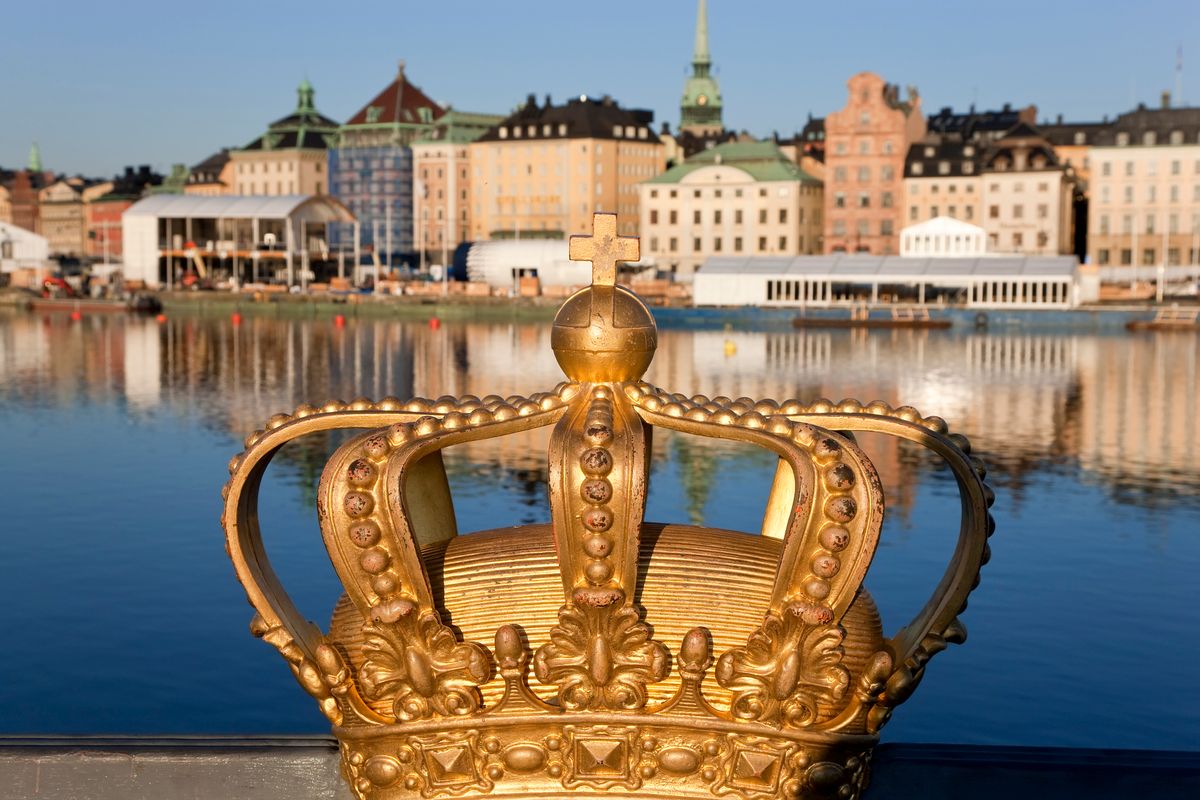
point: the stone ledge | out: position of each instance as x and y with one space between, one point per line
306 768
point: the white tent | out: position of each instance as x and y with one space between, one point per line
943 237
21 249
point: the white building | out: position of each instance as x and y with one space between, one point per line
271 239
943 237
501 264
21 249
843 280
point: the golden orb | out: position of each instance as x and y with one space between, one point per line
604 333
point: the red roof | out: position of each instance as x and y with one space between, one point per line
399 102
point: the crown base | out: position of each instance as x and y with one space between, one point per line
622 754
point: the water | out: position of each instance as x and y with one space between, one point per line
121 613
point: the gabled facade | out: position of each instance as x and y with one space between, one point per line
865 146
63 215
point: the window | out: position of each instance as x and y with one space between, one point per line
1122 139
864 174
864 118
1128 194
717 244
1148 256
654 216
717 217
1176 137
887 147
839 174
1127 223
782 244
1043 211
1173 224
1149 223
885 200
839 229
737 244
654 192
1104 224
1128 169
933 211
737 216
887 173
1149 138
1017 239
696 217
1175 167
762 216
1126 257
1102 257
653 244
943 168
993 212
696 245
885 227
912 213
839 147
673 244
863 227
1043 238
762 243
918 168
1151 194
969 212
1106 169
783 216
864 200
952 211
1018 211
674 217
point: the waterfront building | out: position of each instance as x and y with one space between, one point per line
103 214
371 168
62 213
1027 195
442 182
735 198
1010 183
1144 204
212 176
282 239
21 249
544 169
290 158
850 280
865 146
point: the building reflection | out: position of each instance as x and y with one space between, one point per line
1121 409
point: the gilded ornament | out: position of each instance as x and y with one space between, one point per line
578 691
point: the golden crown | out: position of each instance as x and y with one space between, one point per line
803 677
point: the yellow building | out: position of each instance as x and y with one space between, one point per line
544 170
442 182
212 176
735 199
1145 189
290 158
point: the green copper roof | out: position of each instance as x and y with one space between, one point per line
459 127
701 105
35 158
762 161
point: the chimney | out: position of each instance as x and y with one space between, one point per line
549 102
1059 120
531 101
1166 100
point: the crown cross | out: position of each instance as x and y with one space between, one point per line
604 248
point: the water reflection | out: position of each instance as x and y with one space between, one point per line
1122 410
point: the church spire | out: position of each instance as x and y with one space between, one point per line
35 158
700 111
700 57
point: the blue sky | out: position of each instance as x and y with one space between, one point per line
100 85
